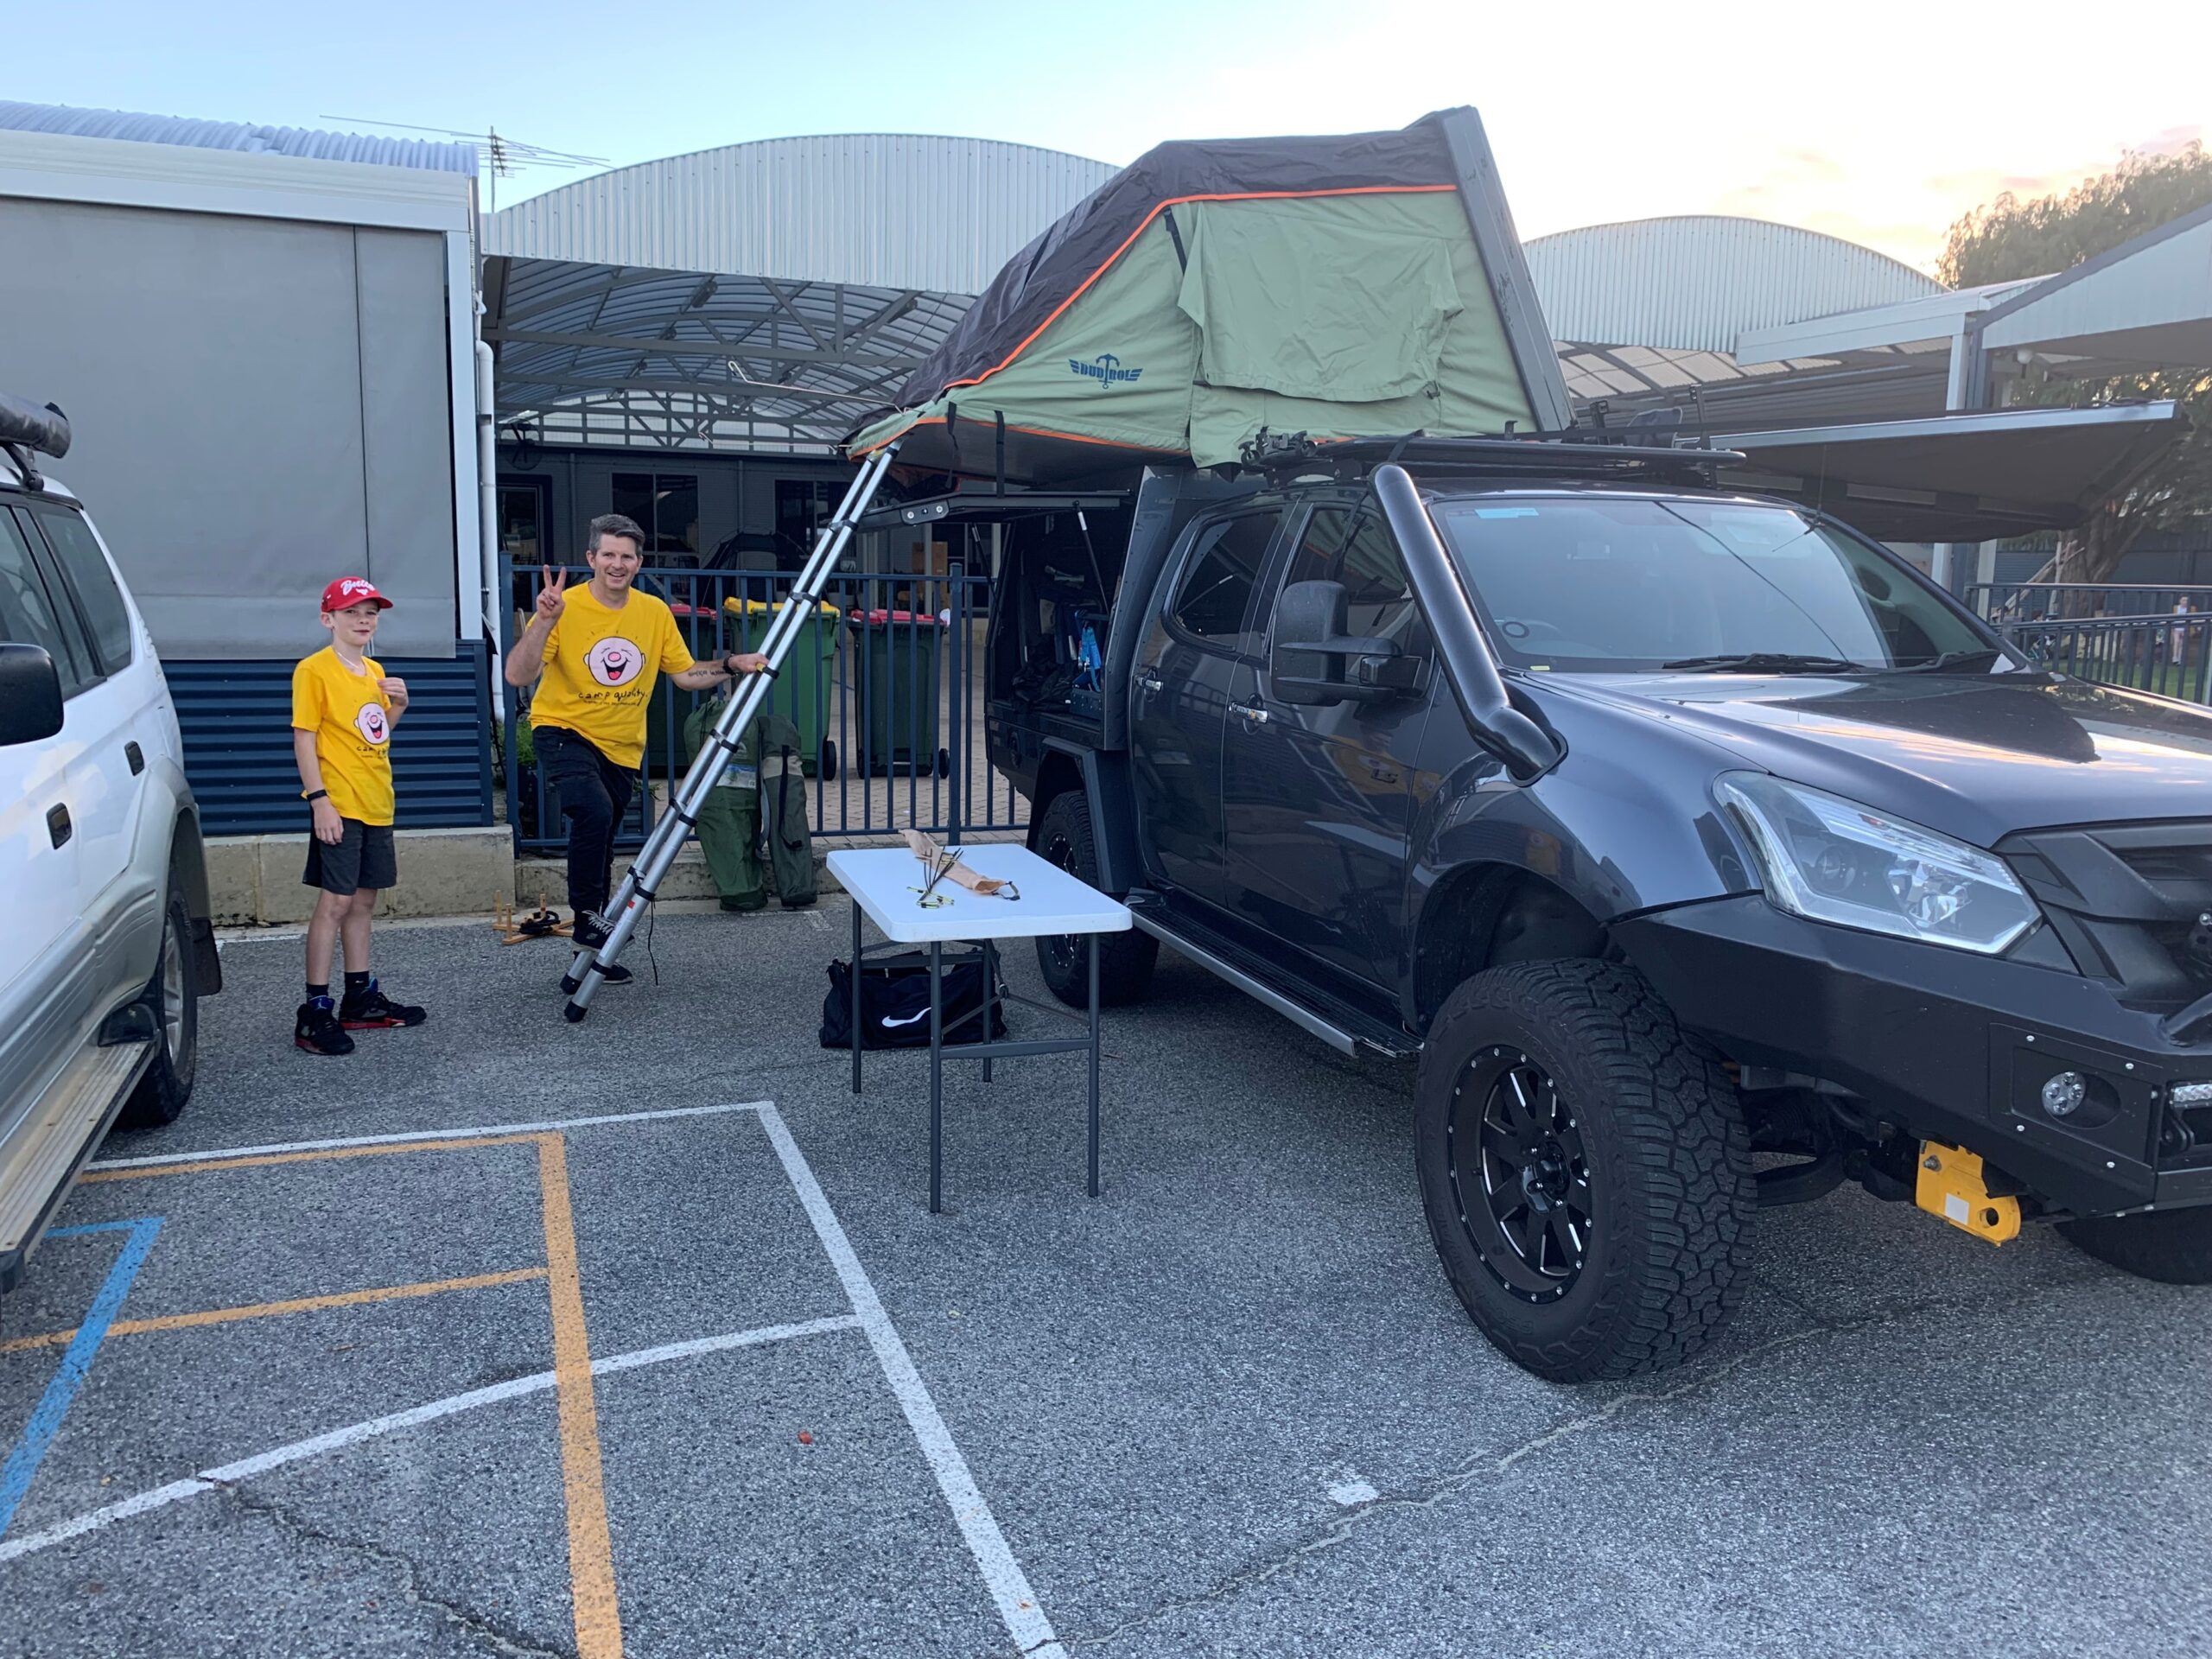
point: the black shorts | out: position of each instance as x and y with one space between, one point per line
364 858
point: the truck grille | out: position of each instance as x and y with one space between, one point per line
2132 903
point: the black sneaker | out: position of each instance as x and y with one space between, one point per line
317 1030
372 1010
590 932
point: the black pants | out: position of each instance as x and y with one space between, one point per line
594 794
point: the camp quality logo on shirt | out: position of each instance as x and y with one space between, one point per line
1106 370
370 723
615 661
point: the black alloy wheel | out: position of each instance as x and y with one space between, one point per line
1522 1179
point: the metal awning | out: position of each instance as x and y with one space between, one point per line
618 354
1960 477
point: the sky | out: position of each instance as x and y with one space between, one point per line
1878 122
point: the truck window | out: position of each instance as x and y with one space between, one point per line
1353 546
28 613
92 584
1224 567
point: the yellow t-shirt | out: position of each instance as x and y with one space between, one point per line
600 666
352 722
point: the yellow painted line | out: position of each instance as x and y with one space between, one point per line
591 1550
264 1160
268 1310
591 1547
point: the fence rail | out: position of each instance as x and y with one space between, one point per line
2150 639
886 690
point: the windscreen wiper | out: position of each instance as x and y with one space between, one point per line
1980 657
1769 662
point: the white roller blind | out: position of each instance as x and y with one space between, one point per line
258 405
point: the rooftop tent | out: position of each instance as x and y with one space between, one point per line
1355 286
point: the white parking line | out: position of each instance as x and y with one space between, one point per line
557 1124
209 1480
1002 1574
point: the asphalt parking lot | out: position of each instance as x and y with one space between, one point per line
637 1338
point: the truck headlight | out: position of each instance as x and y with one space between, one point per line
1834 861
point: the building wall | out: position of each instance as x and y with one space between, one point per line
1694 283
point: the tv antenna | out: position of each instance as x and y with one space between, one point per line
503 157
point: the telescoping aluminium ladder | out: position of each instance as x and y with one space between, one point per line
588 970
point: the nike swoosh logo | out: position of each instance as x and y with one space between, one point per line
908 1021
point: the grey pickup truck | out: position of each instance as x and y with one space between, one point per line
1698 852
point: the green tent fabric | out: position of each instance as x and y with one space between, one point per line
1357 303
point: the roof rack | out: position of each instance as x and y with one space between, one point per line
1582 452
26 430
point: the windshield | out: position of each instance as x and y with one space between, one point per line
1609 584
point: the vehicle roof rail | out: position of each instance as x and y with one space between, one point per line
1652 451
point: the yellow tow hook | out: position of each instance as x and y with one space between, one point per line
1950 1185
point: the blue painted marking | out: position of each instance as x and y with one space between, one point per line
53 1405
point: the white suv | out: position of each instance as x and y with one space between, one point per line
106 946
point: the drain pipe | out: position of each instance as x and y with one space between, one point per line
487 514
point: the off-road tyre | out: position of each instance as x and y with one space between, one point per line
2171 1246
172 994
1660 1138
1125 960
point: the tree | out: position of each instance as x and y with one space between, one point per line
2008 239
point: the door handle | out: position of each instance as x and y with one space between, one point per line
58 825
135 756
1257 716
1149 681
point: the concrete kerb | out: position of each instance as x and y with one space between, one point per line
254 880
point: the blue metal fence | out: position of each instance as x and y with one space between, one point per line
237 723
886 689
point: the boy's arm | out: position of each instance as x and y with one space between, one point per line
329 828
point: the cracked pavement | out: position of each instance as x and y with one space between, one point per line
1906 1440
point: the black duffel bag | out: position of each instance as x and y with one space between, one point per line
895 1002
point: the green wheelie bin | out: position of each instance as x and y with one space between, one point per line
801 693
700 639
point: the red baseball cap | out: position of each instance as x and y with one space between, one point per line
349 591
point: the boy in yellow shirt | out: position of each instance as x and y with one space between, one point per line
343 710
593 653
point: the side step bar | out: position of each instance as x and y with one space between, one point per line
56 1139
1344 1029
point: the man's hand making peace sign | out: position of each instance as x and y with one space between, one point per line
551 603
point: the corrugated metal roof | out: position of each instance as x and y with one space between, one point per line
1695 283
892 211
370 149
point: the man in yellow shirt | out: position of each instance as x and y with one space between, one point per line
344 706
595 654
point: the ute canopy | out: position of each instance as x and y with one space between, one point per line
1359 286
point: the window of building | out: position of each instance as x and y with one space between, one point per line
666 507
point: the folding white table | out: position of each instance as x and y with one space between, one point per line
886 883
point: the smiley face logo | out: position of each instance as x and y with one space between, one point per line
615 661
370 723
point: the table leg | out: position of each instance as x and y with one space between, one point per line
1094 1066
990 997
856 996
937 1075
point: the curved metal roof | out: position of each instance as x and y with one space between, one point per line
598 353
373 149
888 210
1695 283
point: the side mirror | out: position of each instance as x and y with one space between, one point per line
1315 663
31 695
